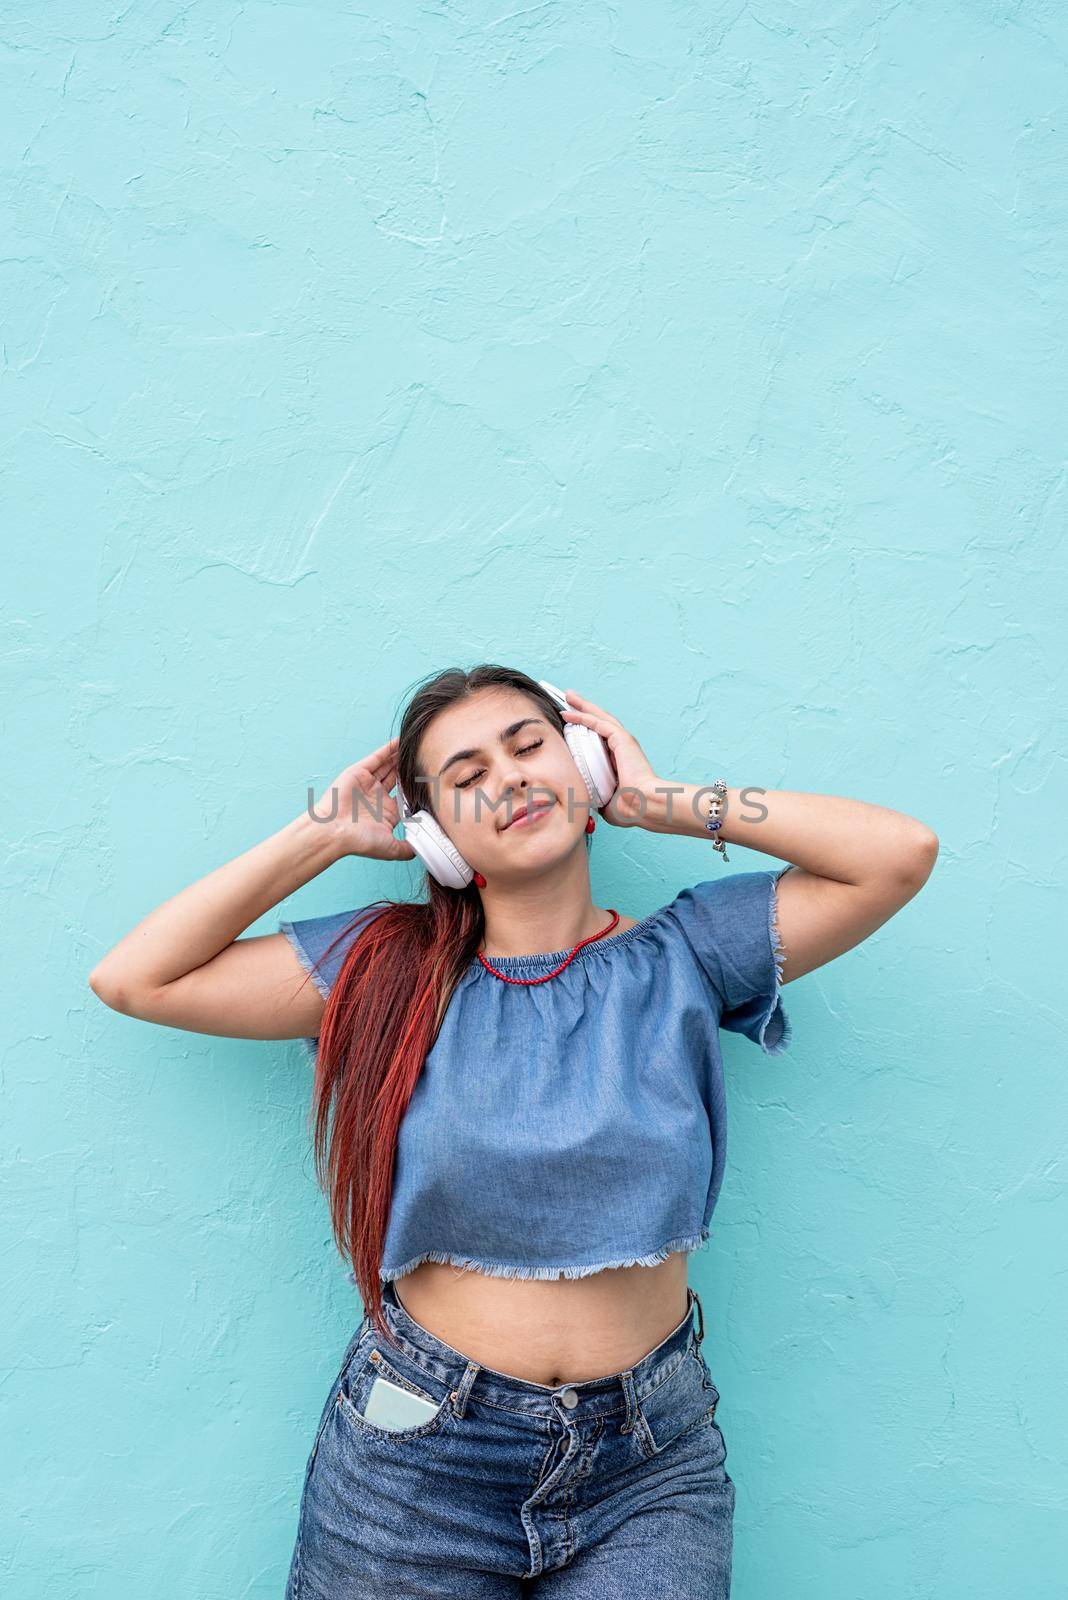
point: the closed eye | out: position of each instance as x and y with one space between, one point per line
527 748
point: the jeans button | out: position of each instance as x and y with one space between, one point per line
568 1397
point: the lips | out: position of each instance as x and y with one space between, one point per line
527 814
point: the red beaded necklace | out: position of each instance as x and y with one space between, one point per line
505 978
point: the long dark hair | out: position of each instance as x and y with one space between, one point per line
384 1010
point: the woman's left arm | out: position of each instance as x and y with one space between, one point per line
853 864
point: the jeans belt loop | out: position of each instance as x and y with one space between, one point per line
459 1396
631 1417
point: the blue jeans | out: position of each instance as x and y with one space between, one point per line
611 1489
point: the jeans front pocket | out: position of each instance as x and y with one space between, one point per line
398 1368
681 1404
346 1360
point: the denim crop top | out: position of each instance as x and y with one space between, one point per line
562 1128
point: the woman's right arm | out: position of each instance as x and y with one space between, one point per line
185 966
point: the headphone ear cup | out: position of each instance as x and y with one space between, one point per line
433 846
590 754
437 852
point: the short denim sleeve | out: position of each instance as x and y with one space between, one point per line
730 925
312 940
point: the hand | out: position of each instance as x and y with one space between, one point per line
363 809
633 801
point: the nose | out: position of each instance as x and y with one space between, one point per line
512 779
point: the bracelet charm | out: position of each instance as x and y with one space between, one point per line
715 820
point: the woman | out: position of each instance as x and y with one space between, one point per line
519 1120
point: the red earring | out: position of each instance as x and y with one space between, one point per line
590 823
480 880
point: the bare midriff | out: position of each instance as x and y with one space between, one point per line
549 1330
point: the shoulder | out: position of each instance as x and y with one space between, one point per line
322 943
734 905
730 925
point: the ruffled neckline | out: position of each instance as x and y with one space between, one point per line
552 958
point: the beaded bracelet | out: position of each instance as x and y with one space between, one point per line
715 821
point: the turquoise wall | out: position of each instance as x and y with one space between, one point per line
703 358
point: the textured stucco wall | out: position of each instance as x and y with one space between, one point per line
704 357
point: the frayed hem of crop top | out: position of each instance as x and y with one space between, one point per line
775 1017
508 1269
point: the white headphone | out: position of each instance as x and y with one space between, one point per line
436 850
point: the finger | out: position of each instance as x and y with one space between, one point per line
381 765
378 758
590 713
606 726
582 704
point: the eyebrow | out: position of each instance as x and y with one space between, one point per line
505 735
